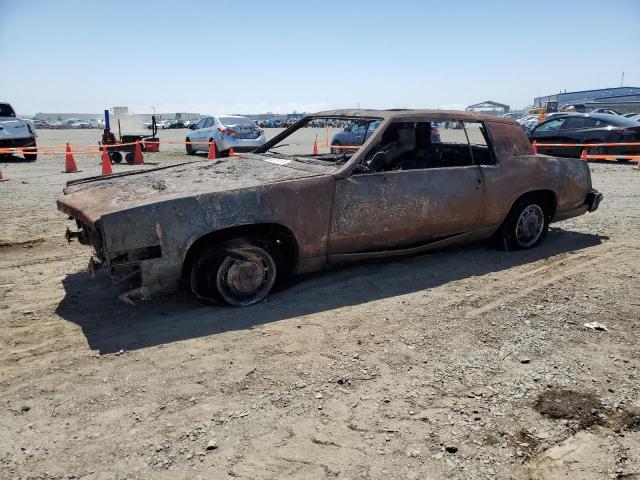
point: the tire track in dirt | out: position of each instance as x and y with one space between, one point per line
521 284
489 289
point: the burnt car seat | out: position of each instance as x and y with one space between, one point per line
389 154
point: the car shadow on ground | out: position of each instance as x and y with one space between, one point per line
111 325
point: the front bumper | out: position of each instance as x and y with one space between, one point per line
593 200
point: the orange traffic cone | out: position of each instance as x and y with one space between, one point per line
534 144
231 152
106 163
138 159
69 163
2 179
315 147
212 151
583 155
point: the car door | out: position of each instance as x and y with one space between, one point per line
196 134
366 131
208 129
550 132
576 130
402 208
350 134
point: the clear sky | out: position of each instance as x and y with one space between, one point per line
245 56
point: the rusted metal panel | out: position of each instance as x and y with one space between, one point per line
392 209
115 194
407 114
176 224
519 171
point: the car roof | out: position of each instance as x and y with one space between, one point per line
617 120
410 113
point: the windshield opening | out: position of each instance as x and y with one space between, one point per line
325 141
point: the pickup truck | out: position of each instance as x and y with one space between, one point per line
16 132
228 230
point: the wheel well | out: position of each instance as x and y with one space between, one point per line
281 242
546 197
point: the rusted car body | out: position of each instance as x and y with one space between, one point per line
155 227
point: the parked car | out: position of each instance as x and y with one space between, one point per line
356 133
528 123
228 230
16 132
226 131
588 128
551 115
74 123
513 115
605 110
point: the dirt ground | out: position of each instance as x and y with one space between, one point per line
468 363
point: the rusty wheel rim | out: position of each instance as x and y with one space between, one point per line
246 276
530 226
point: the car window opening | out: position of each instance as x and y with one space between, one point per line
424 145
339 140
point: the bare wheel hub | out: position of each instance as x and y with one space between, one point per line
246 277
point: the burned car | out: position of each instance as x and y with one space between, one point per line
229 229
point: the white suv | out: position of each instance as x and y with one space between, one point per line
227 131
16 132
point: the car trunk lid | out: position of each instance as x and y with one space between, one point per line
243 129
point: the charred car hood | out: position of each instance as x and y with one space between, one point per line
89 199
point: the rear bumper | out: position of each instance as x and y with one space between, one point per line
593 200
622 150
241 144
242 148
17 142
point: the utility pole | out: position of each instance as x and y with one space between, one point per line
622 80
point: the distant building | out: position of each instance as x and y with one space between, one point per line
600 96
489 107
61 117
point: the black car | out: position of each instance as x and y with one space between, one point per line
588 128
